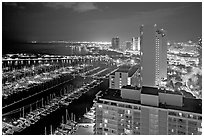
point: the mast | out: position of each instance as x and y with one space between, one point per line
66 116
45 131
51 129
30 107
62 119
23 111
42 103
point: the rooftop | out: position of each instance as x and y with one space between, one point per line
127 69
115 94
189 104
130 87
150 90
124 68
170 92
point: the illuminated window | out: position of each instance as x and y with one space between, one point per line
105 121
137 128
127 131
100 125
105 125
180 114
191 116
100 106
128 111
200 129
129 81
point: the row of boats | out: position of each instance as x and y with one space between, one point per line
70 127
34 116
90 114
77 93
66 129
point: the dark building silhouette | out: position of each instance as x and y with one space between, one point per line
116 43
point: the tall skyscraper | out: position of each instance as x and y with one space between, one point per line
133 43
128 109
116 43
128 45
136 43
153 55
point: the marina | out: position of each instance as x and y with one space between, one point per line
43 102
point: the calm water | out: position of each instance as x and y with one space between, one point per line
58 49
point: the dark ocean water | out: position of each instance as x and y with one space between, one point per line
56 49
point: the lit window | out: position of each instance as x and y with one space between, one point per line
128 111
200 129
127 131
100 106
105 125
100 125
137 128
105 121
129 81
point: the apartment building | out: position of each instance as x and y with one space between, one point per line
146 111
125 75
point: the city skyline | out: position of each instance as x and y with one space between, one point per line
98 21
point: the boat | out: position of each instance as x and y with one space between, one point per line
90 114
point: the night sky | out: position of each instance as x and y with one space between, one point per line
98 21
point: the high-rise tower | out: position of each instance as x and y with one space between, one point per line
116 43
136 43
153 55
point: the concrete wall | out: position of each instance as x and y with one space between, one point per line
151 100
130 94
124 79
163 122
144 129
171 99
